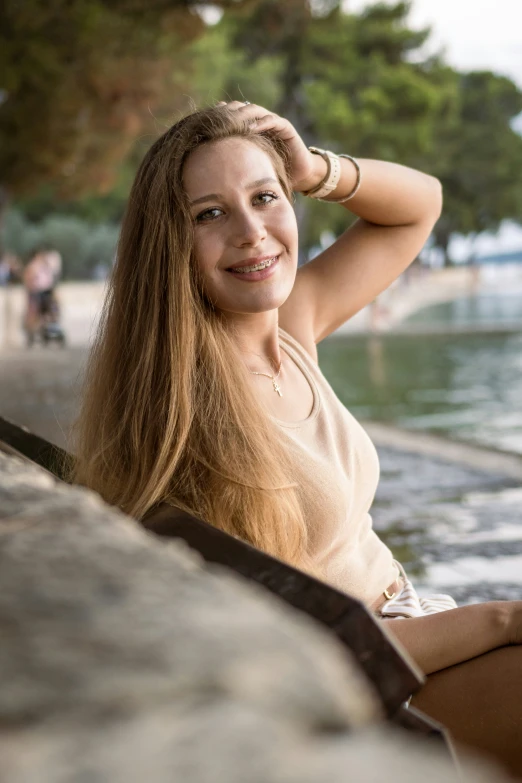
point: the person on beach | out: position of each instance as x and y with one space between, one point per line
204 391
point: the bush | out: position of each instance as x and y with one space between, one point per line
85 248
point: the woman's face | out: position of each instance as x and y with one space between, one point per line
242 220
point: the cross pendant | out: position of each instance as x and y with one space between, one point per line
277 388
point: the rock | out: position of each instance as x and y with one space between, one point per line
93 604
222 741
125 658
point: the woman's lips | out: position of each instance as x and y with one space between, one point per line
261 274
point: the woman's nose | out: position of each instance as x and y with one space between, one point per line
248 229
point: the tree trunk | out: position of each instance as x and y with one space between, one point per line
442 236
4 200
292 104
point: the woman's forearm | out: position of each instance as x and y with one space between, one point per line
437 641
389 194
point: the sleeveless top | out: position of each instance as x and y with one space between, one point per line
342 471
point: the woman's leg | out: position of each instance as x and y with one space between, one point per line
480 703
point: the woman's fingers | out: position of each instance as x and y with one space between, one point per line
261 120
234 104
248 108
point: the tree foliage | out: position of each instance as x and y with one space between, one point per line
80 79
479 159
357 83
346 82
85 79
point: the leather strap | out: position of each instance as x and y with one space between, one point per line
332 177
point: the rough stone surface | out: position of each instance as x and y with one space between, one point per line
125 659
95 614
223 742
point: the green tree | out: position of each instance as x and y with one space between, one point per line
345 81
217 69
84 79
356 83
479 157
80 82
367 97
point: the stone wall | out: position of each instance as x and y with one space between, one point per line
126 659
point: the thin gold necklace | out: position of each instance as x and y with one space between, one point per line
273 378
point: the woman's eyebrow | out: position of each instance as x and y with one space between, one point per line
251 186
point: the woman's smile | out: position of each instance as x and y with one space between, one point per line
259 270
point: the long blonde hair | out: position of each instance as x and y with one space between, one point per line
168 412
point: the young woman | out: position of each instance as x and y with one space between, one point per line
204 391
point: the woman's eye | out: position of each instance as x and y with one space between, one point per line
213 213
267 197
208 214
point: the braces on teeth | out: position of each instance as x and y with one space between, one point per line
257 267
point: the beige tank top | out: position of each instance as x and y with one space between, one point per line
342 467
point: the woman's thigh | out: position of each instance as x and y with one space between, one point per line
480 702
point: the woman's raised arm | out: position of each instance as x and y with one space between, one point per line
397 208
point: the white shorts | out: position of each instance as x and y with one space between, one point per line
408 603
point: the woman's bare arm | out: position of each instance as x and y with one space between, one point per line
397 208
444 639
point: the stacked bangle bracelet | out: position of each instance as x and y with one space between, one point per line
333 174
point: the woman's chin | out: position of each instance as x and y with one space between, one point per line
260 301
261 304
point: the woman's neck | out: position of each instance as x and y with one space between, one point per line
257 337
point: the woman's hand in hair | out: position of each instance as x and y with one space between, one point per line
305 169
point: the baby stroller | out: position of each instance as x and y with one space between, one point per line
48 327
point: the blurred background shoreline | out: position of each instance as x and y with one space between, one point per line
486 297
